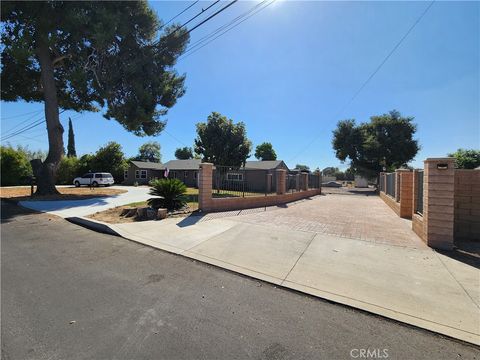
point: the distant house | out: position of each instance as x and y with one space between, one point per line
256 172
142 172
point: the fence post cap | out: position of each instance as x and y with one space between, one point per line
445 159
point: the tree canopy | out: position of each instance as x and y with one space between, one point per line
265 151
150 151
466 159
15 167
109 158
71 152
383 144
302 167
184 153
90 56
222 142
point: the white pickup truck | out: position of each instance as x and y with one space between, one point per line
94 179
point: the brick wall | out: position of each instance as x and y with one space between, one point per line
207 203
467 204
403 201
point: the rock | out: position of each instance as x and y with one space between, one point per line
126 211
142 212
161 214
131 212
151 214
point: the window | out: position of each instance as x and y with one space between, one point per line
174 174
235 176
87 176
185 174
125 174
140 174
195 174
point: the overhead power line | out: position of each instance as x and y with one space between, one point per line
212 16
20 115
226 27
180 13
21 123
377 69
27 127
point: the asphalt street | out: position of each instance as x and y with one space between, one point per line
70 293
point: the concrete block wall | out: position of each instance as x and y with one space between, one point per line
438 202
467 205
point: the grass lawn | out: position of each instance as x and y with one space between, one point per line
19 193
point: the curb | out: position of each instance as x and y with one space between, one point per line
92 225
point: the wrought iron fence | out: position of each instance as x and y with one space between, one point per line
291 183
391 184
314 181
419 193
381 185
231 181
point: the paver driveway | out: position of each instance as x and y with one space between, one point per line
354 215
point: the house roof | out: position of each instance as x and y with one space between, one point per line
263 165
191 164
148 165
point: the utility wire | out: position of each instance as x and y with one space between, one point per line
397 45
20 115
180 13
248 14
212 16
27 127
21 123
224 26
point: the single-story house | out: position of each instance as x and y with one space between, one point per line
185 170
251 177
142 172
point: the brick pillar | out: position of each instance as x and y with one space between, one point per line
304 181
205 186
438 202
398 183
415 189
281 183
405 193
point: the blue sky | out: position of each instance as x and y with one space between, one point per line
288 71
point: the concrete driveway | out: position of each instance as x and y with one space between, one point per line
349 249
70 208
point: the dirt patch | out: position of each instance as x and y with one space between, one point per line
20 193
113 215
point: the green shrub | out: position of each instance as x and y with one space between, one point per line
171 194
15 167
68 170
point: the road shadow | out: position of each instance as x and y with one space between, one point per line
190 220
349 191
10 210
467 252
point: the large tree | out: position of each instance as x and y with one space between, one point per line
90 56
184 153
150 151
222 142
110 158
71 152
383 144
265 151
466 159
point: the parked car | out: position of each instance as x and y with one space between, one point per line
94 179
332 184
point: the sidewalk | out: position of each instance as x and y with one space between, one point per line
417 286
351 250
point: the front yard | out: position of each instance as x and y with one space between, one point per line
22 193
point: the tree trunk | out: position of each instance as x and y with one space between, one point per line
46 173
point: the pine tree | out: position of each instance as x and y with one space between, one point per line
71 140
